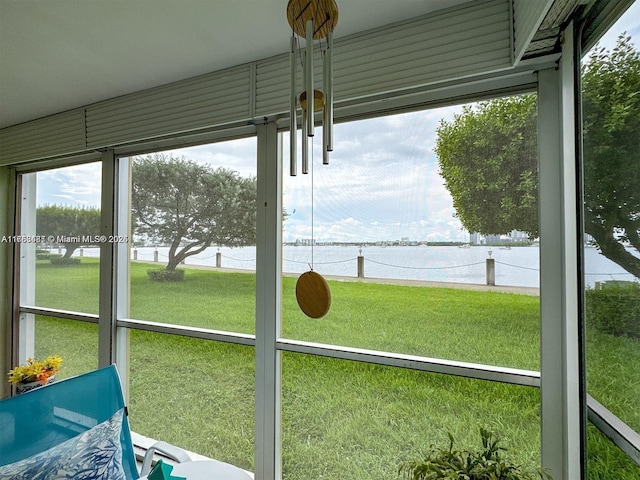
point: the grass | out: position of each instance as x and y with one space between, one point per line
615 382
207 299
368 418
605 461
341 419
491 328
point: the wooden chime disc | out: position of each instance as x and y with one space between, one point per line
324 14
318 100
313 294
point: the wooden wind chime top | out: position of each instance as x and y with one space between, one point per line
324 14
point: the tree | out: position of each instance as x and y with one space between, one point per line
488 158
72 227
190 207
611 126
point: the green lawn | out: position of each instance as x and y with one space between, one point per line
341 419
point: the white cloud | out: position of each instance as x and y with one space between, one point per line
382 182
238 155
384 176
75 185
628 23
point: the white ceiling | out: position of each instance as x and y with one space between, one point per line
56 55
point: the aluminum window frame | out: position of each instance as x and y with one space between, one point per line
267 341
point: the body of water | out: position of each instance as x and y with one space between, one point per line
517 266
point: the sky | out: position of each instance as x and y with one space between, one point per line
382 184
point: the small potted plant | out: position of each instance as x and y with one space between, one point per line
35 373
485 464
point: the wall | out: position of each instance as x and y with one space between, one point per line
5 277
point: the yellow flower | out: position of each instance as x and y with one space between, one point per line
53 362
35 370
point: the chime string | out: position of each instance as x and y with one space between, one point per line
312 234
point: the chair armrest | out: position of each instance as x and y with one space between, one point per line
171 451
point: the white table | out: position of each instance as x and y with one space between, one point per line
208 470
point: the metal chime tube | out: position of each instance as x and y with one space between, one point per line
328 105
293 111
309 77
305 124
325 132
325 111
305 143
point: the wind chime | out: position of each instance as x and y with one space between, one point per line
313 20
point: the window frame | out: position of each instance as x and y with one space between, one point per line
114 324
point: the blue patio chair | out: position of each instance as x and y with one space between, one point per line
77 427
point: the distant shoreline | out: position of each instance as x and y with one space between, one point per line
531 291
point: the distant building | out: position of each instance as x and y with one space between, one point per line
304 242
518 236
492 239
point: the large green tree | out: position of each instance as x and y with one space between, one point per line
611 138
489 161
72 226
488 158
190 206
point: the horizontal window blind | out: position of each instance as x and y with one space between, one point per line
454 44
58 134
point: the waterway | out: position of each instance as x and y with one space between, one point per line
516 266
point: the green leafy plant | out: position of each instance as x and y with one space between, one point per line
486 464
58 260
166 275
614 309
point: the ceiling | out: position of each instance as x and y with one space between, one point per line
64 54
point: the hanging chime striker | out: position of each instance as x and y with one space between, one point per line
313 294
318 100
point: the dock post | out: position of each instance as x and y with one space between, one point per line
360 265
491 270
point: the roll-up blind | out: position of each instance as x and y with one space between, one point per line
183 106
59 134
450 45
442 46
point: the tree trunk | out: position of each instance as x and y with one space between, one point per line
611 248
69 248
172 264
176 258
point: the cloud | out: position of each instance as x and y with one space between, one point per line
626 23
78 185
239 155
383 183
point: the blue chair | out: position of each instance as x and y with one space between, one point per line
76 421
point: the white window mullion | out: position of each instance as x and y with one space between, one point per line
122 277
559 295
268 303
106 310
27 282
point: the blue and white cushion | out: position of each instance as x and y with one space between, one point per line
93 455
